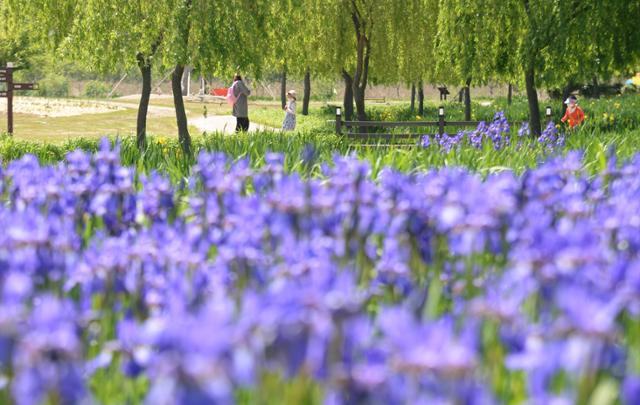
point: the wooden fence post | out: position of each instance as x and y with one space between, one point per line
10 98
338 121
441 120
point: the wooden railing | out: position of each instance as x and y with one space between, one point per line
361 129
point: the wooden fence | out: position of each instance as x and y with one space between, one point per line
361 129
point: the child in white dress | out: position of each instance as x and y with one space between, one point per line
289 123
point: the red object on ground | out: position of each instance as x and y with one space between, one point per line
219 92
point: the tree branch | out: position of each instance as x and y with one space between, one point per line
356 17
367 56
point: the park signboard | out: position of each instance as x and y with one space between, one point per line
6 76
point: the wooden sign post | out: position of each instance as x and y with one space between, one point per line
6 76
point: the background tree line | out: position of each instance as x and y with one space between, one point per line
553 44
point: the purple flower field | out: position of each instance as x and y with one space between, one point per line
439 287
497 134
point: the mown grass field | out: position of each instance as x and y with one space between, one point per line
56 130
612 114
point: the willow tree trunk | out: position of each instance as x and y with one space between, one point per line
510 94
186 80
359 95
181 116
348 96
420 98
532 97
413 97
145 96
596 87
467 101
283 88
307 92
363 28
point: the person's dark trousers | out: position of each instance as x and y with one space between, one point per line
242 124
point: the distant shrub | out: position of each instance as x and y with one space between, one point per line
53 85
96 89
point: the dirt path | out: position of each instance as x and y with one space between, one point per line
222 123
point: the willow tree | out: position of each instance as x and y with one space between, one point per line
284 40
227 38
30 29
179 55
104 35
414 48
560 40
464 45
353 32
363 14
16 43
216 37
505 69
610 43
303 47
109 34
49 22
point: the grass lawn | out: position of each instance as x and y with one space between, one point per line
60 129
618 113
123 122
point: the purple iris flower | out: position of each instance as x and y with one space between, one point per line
631 390
47 358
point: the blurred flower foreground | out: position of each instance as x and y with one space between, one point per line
440 287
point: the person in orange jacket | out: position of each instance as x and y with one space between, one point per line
574 114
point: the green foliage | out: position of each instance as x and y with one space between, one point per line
111 33
165 155
96 89
53 85
17 43
557 42
415 47
317 120
464 45
615 114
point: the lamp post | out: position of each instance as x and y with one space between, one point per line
548 113
338 121
441 120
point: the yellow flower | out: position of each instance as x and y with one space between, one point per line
418 117
558 126
605 116
162 140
